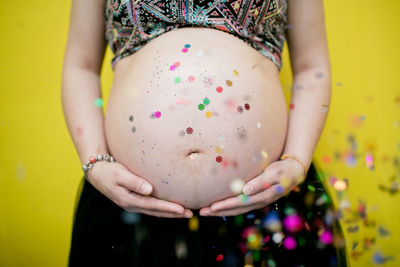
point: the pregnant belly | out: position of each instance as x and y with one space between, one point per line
196 112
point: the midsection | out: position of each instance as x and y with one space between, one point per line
191 130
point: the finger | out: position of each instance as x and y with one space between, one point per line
134 183
132 199
232 212
261 182
186 214
264 198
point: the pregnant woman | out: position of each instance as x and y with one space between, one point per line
197 161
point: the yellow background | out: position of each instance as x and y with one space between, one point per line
40 171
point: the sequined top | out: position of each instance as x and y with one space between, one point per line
131 24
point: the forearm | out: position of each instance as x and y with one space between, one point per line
311 95
85 121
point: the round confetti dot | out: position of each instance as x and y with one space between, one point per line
293 223
258 125
267 185
177 79
237 185
201 106
191 79
277 237
131 118
240 109
229 82
289 243
157 114
206 101
279 189
173 67
208 114
200 53
99 102
187 45
244 198
235 72
189 130
179 101
326 237
219 149
177 64
247 106
219 89
220 257
340 185
184 50
133 129
264 154
194 224
291 106
218 159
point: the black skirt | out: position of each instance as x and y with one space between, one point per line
300 229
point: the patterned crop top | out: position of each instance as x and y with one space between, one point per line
130 24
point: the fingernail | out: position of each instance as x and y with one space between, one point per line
146 189
248 189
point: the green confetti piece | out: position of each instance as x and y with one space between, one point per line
177 79
302 241
251 238
201 106
206 101
311 188
239 220
99 102
256 255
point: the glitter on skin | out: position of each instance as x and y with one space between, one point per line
208 114
291 106
173 67
219 149
240 109
177 64
177 79
206 101
157 114
229 82
219 89
189 130
237 185
247 106
191 79
201 106
218 159
279 188
99 102
236 73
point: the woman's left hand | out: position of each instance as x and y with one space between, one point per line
278 179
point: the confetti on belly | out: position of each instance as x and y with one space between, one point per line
191 79
219 149
264 154
219 89
236 73
291 106
173 67
237 185
218 159
240 109
324 108
179 100
208 114
133 129
189 130
131 118
185 50
187 46
247 106
258 125
229 82
99 102
319 75
157 114
177 79
201 106
206 101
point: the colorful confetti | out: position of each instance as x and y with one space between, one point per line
177 79
291 106
194 224
187 45
206 101
191 79
228 82
218 159
219 89
189 130
237 185
133 129
289 243
258 125
201 106
131 118
99 102
220 257
208 114
184 50
235 72
240 109
157 114
247 106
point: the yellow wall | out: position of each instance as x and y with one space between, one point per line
40 171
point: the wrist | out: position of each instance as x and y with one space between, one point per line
296 159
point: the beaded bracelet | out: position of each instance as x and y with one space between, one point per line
92 161
285 156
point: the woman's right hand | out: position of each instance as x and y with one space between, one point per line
131 192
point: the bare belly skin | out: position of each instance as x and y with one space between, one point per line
191 121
